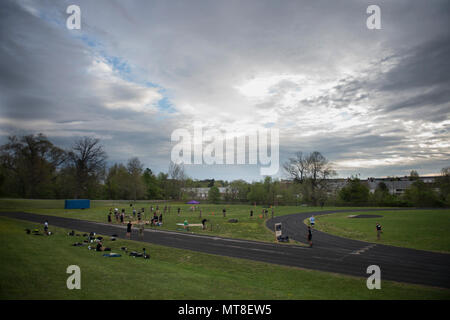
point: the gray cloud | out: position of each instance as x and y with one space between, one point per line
311 69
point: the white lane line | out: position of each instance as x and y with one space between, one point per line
362 250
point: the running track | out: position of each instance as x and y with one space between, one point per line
330 253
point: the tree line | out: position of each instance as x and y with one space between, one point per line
31 166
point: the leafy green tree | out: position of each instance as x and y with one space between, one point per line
382 196
413 175
257 193
239 190
420 194
443 183
118 182
152 186
214 194
30 165
135 168
355 192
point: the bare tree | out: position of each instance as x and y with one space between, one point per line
178 178
312 171
297 167
88 159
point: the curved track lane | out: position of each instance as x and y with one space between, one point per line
330 253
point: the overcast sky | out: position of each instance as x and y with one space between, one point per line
374 102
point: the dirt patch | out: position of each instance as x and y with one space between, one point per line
365 216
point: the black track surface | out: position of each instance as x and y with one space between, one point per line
330 253
366 216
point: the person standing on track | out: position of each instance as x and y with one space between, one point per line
309 236
312 221
46 227
141 230
129 230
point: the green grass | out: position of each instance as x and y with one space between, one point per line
34 267
418 229
247 228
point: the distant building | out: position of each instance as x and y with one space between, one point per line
202 193
396 186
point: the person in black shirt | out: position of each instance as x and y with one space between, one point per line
379 231
179 211
99 246
204 224
251 213
109 217
309 236
129 230
224 212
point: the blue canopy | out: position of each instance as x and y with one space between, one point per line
193 202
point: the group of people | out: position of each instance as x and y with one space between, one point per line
264 213
140 215
140 230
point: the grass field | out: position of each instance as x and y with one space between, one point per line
246 228
418 229
34 267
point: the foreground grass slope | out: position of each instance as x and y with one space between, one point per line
247 228
417 229
34 267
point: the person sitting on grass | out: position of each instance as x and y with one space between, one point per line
99 246
155 220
